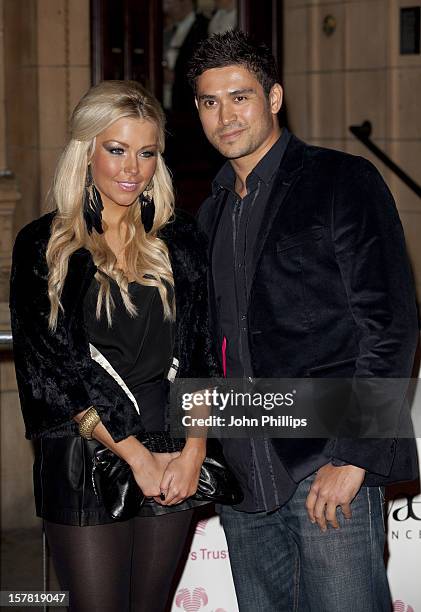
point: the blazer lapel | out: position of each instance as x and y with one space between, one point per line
286 177
219 207
213 319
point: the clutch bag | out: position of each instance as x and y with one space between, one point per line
116 487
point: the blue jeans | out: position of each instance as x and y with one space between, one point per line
281 562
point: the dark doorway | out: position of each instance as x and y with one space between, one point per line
150 41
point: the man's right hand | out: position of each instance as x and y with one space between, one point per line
333 487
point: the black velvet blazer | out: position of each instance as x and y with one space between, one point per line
55 373
332 294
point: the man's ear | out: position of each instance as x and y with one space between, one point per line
276 95
196 102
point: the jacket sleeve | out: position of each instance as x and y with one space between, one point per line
198 352
52 386
204 357
370 251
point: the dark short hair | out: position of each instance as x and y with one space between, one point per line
230 49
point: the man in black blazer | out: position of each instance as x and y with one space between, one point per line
189 28
308 277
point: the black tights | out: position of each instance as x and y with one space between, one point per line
119 566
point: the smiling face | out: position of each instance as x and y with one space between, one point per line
124 160
237 117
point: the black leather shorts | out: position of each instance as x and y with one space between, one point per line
63 487
64 492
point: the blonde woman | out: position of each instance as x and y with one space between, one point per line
108 295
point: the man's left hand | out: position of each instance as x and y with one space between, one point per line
333 487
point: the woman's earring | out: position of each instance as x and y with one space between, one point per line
147 208
92 205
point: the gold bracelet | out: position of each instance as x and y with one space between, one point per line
88 423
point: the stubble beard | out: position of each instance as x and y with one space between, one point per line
254 141
233 153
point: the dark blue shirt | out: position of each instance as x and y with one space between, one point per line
266 483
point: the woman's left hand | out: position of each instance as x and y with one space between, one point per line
182 474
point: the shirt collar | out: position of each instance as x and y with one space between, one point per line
264 170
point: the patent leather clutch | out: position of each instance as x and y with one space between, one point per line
118 491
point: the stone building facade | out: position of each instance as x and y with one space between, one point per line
331 81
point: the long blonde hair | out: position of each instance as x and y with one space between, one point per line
146 255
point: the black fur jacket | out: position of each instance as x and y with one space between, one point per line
56 376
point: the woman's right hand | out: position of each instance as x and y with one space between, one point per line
148 470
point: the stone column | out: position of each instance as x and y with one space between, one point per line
8 189
47 69
15 452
